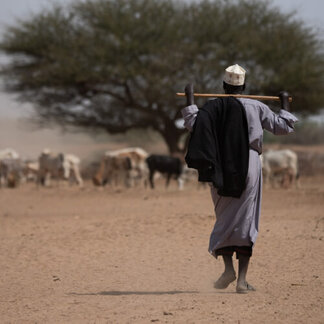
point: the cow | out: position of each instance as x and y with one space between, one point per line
191 175
58 166
31 170
11 172
71 165
8 153
282 165
10 168
50 166
169 165
112 170
127 164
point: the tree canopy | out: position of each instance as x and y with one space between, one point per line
117 64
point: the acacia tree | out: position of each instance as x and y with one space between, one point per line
116 64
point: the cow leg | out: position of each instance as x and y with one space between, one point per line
126 177
43 178
294 178
168 180
77 176
109 178
266 175
117 178
47 179
104 181
297 182
2 181
132 178
272 180
40 178
38 181
290 179
285 180
135 176
180 183
151 178
128 181
143 177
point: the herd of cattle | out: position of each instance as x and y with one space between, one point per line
129 167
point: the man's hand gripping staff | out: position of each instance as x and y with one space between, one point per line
189 91
284 100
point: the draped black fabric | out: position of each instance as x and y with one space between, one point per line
219 146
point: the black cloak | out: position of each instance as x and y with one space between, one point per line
219 146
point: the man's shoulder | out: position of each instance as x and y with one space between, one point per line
211 105
252 102
212 102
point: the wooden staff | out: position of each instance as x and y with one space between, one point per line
215 95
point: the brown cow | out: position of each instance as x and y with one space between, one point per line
127 164
113 169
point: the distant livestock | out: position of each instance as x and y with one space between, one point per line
8 153
124 165
113 170
31 170
10 172
71 166
58 166
282 165
10 168
168 165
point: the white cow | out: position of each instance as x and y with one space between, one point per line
126 164
8 153
282 165
191 175
71 165
59 166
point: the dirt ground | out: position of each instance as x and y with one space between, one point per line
72 255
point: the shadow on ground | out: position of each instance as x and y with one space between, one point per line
125 293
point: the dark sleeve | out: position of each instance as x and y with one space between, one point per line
203 153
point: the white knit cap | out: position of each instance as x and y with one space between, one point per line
234 75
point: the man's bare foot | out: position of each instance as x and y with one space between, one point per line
224 280
244 288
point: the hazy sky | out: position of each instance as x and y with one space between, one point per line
311 11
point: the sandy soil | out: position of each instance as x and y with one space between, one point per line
140 256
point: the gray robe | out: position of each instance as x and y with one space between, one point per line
237 219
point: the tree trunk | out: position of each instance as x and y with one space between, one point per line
172 136
186 143
172 141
